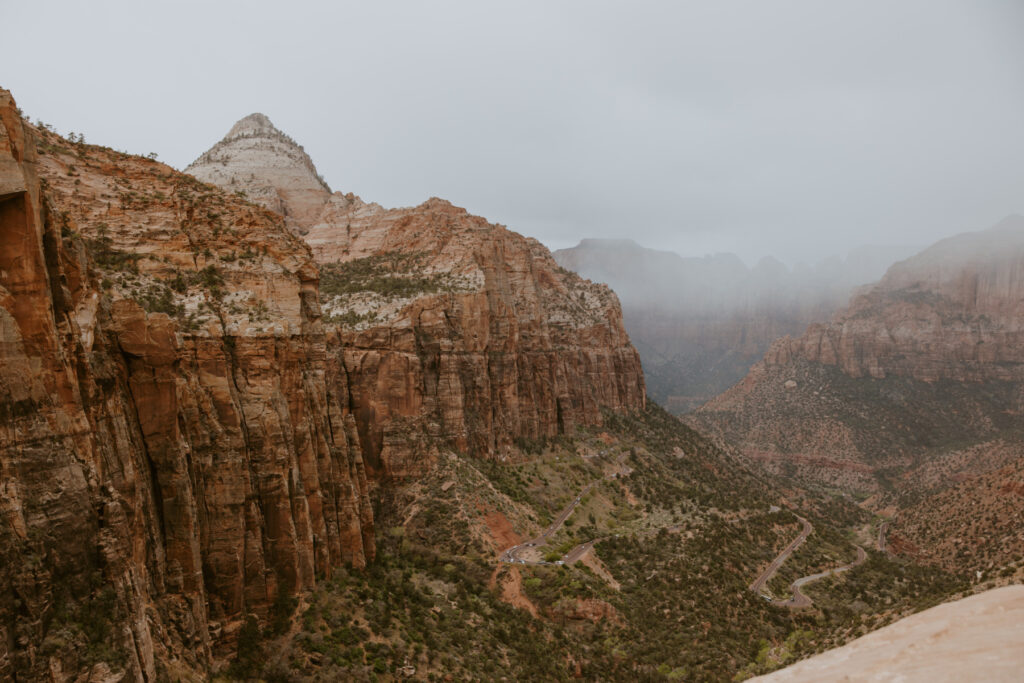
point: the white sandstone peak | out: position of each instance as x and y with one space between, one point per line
256 123
269 167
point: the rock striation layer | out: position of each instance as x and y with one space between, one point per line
953 312
195 407
176 447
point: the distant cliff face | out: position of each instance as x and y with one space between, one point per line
176 445
701 323
916 386
955 312
456 332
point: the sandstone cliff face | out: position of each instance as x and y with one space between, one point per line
499 343
176 444
955 311
455 332
186 437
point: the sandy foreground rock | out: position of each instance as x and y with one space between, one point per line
977 638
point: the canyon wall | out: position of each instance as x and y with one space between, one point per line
955 312
452 331
176 446
928 361
197 408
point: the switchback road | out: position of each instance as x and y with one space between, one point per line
799 599
769 572
512 554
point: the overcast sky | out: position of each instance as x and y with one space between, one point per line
793 128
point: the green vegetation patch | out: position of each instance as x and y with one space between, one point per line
393 275
101 249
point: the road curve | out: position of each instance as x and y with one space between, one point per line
799 599
511 554
579 551
769 572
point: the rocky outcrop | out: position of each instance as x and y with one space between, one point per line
497 344
581 610
175 442
454 332
701 323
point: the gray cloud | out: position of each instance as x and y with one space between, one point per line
797 128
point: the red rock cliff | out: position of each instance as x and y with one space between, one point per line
929 359
451 330
175 444
955 311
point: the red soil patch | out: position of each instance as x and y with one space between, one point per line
901 546
501 531
512 592
1014 487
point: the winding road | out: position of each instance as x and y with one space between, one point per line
511 555
799 599
769 572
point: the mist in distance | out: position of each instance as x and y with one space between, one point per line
796 129
722 284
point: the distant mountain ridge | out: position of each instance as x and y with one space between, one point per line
700 323
914 388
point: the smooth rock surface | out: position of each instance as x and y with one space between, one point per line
979 638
